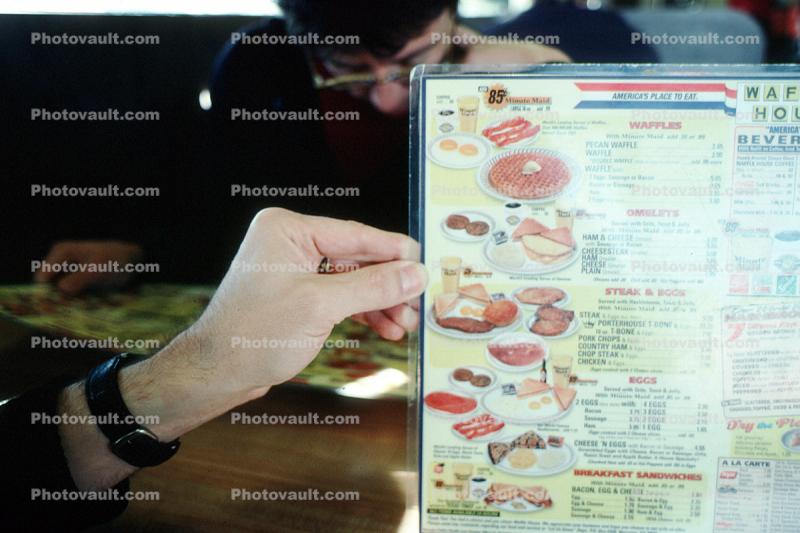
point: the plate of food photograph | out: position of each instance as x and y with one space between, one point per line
471 313
458 150
512 132
791 440
529 402
450 404
479 428
467 226
472 379
515 499
533 297
533 248
529 175
531 454
516 352
552 322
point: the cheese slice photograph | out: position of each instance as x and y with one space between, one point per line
400 266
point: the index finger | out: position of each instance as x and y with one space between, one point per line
347 239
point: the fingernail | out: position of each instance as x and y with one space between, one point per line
413 278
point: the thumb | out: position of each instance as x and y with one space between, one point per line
373 287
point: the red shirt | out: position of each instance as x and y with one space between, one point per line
779 17
366 146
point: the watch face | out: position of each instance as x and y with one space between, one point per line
142 448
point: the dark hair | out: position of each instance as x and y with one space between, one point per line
383 27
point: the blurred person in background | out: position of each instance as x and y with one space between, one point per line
364 161
779 19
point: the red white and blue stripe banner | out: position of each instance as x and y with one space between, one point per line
615 95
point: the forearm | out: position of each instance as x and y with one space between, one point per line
175 387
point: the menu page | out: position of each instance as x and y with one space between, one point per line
610 338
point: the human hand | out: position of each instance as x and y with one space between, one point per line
88 253
273 310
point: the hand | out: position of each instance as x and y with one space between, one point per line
273 311
272 295
88 253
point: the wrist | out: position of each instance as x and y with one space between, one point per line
181 387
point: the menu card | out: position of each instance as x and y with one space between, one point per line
610 335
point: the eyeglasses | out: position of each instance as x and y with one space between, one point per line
356 80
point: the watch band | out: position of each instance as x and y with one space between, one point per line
131 442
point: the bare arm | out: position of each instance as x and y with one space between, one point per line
205 371
169 387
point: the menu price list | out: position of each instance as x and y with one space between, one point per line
652 426
639 496
650 166
764 182
757 496
653 244
761 360
643 329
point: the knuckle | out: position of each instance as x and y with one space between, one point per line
382 284
269 216
355 224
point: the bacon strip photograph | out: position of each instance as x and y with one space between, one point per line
511 131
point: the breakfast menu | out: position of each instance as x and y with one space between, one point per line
610 334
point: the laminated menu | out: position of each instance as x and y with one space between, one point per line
610 338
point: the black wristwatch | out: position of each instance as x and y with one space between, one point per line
129 441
